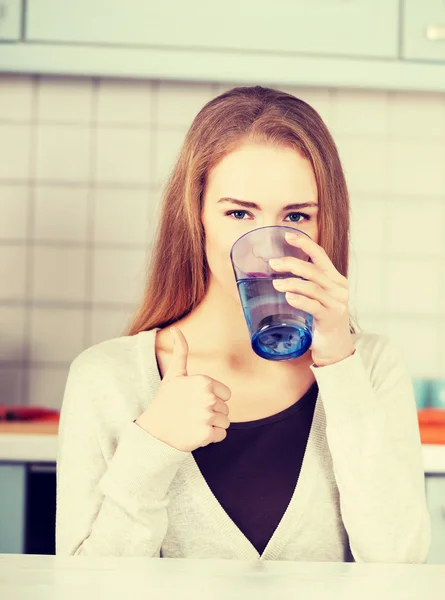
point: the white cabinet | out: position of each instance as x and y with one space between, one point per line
12 507
366 28
10 20
423 35
27 508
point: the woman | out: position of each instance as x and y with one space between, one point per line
185 443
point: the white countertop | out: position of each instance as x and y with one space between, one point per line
70 578
28 447
43 448
434 458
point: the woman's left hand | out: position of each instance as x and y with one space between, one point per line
324 295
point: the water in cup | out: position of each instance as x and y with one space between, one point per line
278 333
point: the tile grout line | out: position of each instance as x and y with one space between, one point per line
29 364
60 183
30 258
385 227
154 110
441 331
91 213
66 305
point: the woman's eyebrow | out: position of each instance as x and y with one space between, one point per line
255 206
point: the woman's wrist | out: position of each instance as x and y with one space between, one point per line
324 362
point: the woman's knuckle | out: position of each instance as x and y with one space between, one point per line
342 296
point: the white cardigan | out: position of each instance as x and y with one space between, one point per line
360 494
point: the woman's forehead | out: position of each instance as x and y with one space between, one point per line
253 172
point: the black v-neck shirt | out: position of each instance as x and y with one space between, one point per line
253 472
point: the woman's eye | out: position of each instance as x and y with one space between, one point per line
233 213
299 215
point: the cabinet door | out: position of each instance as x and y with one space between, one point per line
10 20
330 27
12 508
435 493
424 30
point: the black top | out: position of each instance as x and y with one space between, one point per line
254 470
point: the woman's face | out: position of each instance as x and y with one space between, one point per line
270 177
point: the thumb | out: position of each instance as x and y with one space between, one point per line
178 361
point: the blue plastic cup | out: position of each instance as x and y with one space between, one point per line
422 393
438 393
278 331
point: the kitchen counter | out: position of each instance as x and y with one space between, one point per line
68 578
434 458
37 442
28 442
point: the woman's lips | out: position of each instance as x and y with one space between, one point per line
257 275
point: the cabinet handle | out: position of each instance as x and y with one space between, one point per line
435 32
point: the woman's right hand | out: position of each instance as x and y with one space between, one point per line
189 411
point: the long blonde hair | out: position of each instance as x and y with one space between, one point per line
178 270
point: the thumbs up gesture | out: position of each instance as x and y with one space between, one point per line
189 411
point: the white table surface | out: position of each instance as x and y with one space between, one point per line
24 577
43 448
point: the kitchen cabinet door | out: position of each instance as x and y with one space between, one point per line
435 493
319 27
423 35
12 508
10 20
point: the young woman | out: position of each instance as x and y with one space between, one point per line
185 443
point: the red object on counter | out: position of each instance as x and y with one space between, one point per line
16 413
432 425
